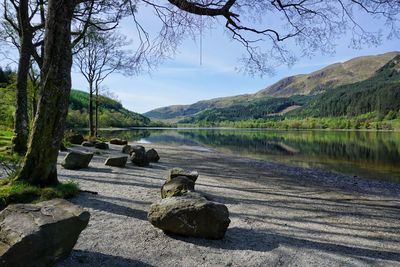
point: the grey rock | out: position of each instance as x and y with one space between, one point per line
138 149
41 234
139 159
101 145
76 139
152 155
116 161
177 187
126 149
175 172
75 160
117 141
190 215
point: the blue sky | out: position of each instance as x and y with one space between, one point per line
182 80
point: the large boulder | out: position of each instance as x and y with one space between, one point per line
139 159
76 139
175 172
190 215
101 145
152 155
177 187
75 160
126 149
116 161
117 141
39 234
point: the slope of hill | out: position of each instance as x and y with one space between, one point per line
354 70
111 112
377 96
380 93
332 76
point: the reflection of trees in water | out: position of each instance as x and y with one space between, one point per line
130 135
353 146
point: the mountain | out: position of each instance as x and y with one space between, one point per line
379 94
111 112
318 82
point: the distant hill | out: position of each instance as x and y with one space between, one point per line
318 82
378 94
111 112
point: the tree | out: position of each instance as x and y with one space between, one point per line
102 53
313 24
19 27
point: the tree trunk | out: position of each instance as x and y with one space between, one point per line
91 124
97 111
21 115
40 163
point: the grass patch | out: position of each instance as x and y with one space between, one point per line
18 192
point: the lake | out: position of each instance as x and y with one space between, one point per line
374 155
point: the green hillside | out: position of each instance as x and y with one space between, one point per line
318 82
358 105
112 113
261 108
380 93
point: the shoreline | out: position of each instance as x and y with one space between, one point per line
280 215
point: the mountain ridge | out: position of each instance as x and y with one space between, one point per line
317 82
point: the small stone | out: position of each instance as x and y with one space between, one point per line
75 160
101 145
175 172
88 144
126 149
152 155
117 141
116 161
76 139
177 187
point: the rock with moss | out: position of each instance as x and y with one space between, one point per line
126 149
39 234
76 139
152 155
190 215
117 141
76 160
175 172
101 145
177 187
116 161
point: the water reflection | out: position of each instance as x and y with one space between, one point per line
371 154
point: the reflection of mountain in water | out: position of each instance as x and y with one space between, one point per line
374 154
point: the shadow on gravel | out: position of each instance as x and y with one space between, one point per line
246 239
98 204
89 258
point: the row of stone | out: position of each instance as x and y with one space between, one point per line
75 160
185 212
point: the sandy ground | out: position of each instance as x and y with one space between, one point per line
280 215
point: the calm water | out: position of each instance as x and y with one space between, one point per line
375 155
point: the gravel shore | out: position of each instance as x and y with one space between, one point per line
280 215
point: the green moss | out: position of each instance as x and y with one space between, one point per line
18 192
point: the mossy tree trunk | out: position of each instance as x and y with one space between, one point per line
21 131
39 166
